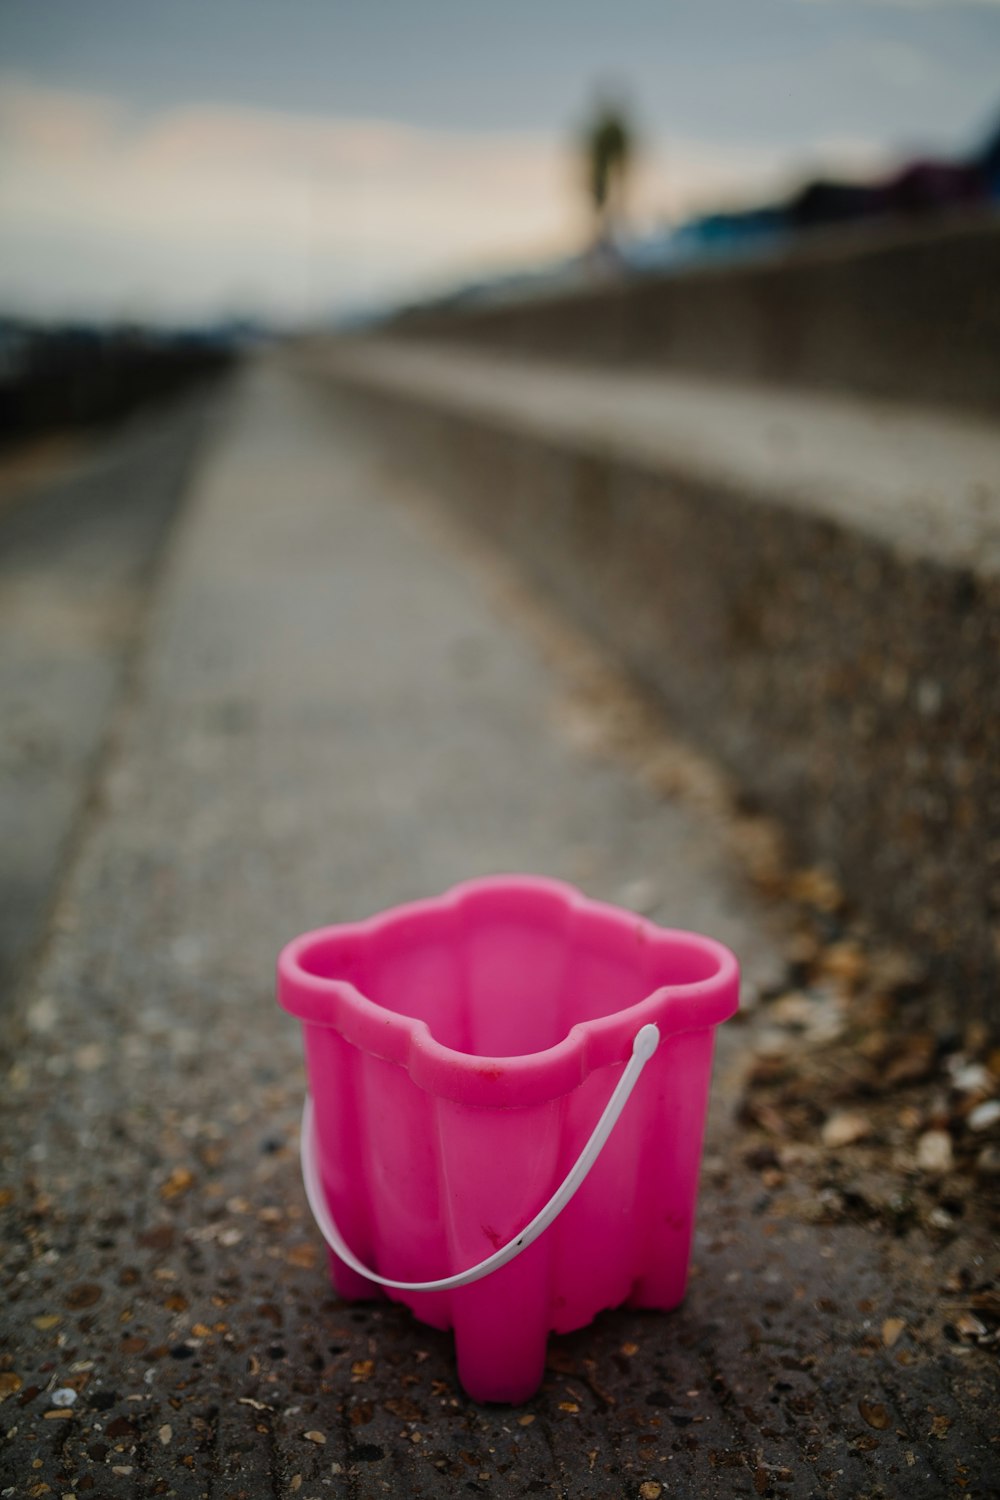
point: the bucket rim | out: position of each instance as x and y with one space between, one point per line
504 1081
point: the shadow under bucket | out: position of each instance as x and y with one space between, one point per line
508 1089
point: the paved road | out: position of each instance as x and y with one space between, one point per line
334 709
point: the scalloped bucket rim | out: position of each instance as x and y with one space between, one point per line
507 1081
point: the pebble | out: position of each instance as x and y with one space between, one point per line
934 1152
988 1161
640 895
772 1043
845 961
973 1078
984 1115
178 1183
64 1396
793 1009
43 1015
844 1129
820 1016
875 1414
892 1328
89 1057
816 887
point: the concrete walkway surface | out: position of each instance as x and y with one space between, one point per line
334 709
76 554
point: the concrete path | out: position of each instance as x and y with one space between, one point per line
334 710
76 553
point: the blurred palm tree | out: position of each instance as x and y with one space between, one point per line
608 149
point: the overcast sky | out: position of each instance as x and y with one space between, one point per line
187 158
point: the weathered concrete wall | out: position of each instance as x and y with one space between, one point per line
910 314
851 688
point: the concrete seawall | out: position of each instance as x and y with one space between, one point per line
908 314
816 600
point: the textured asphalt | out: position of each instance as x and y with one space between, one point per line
333 709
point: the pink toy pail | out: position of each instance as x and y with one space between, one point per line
507 1095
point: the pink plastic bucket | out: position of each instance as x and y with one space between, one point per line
508 1092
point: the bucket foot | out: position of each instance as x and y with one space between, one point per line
501 1357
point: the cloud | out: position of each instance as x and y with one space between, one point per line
295 211
204 208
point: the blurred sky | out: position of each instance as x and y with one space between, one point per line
193 158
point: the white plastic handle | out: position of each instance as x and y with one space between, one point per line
646 1042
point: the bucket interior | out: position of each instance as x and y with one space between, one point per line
504 973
